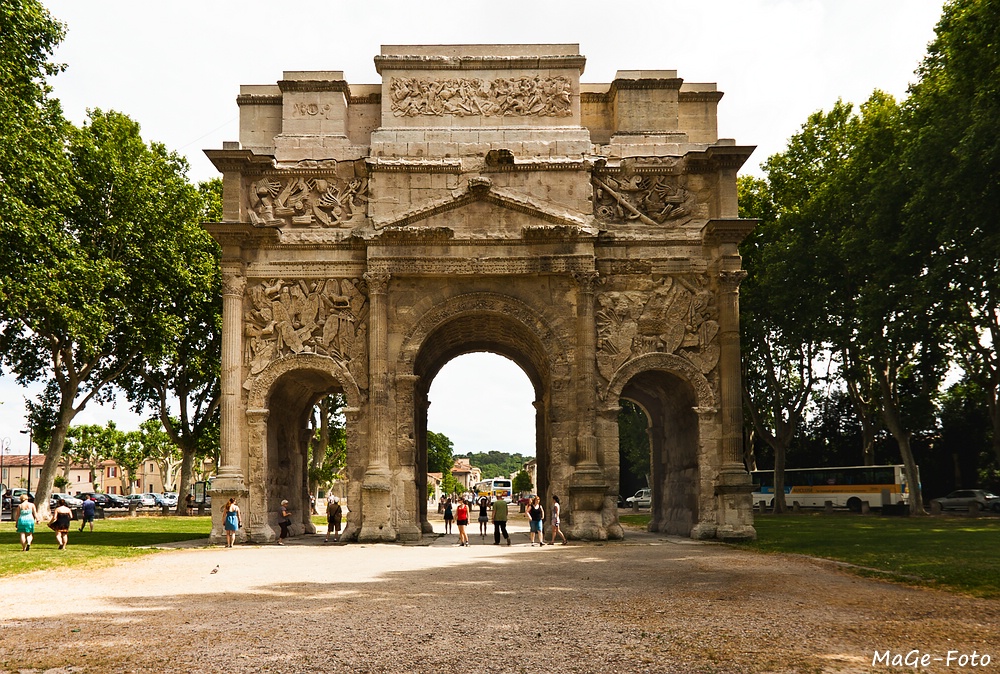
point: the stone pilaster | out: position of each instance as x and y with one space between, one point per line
258 527
229 483
376 502
588 486
730 374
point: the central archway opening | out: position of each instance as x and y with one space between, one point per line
483 336
482 404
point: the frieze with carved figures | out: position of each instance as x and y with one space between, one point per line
679 316
647 198
327 317
302 201
473 96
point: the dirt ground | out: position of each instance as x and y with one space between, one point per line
649 604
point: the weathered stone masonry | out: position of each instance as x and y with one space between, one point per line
482 199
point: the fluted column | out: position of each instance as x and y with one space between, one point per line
231 469
586 363
731 395
378 459
376 515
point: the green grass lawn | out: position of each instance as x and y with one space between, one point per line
954 553
112 539
957 553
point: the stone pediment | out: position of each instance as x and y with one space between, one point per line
484 210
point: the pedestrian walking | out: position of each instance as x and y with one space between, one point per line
555 522
449 517
26 518
89 511
484 515
61 517
462 520
334 515
189 504
535 516
500 521
284 522
233 521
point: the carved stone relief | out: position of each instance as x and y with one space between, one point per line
328 317
326 201
464 96
679 316
649 198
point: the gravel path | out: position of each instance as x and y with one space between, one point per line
650 604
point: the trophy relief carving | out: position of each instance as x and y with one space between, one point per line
679 316
465 96
307 202
328 317
650 199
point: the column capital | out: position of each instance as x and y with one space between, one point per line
377 281
730 280
587 280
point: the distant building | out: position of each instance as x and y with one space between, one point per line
465 473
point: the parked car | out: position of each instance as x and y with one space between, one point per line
644 497
143 500
621 501
964 498
526 500
71 501
16 495
105 500
169 499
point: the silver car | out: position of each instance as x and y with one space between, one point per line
963 499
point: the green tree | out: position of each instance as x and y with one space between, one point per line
101 287
128 452
328 448
633 441
159 447
89 445
955 157
440 453
522 482
185 377
779 304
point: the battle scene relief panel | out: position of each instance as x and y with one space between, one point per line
328 317
307 201
647 198
678 316
474 96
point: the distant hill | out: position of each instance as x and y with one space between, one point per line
496 464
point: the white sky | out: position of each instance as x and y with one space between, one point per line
176 68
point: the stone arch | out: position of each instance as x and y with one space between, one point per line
279 401
674 396
490 322
260 386
665 362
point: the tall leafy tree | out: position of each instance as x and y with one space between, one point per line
87 306
159 447
181 382
328 447
955 154
89 445
780 304
440 453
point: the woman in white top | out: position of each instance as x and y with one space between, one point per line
555 522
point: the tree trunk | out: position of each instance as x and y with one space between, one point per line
52 456
187 474
780 506
893 420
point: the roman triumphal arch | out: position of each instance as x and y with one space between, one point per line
480 198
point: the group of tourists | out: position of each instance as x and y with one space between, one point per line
233 521
59 521
459 515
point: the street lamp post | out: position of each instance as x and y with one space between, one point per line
29 459
4 446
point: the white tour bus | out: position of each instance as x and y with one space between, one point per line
846 486
495 489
